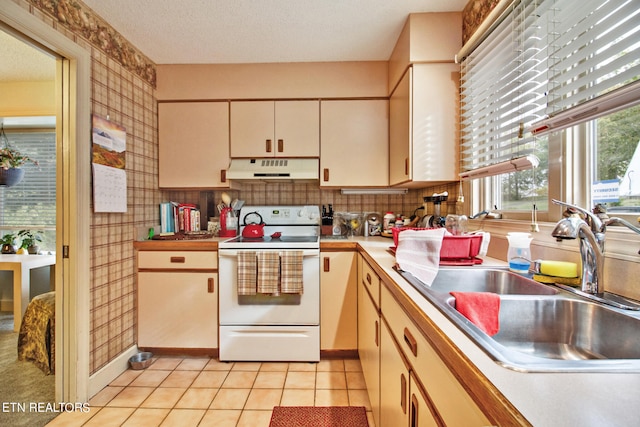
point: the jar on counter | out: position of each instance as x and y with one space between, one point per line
388 221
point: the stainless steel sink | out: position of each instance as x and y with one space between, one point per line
501 282
542 328
566 329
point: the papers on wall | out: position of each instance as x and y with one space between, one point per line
109 144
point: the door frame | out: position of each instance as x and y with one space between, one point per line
73 114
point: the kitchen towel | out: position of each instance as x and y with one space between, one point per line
418 253
268 272
291 272
481 308
247 272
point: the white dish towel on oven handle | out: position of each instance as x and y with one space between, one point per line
418 253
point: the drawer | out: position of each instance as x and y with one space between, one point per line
371 281
186 260
453 403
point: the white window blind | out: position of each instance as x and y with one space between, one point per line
549 64
31 204
595 50
503 87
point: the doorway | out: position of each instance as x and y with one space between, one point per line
72 199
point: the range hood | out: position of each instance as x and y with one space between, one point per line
275 169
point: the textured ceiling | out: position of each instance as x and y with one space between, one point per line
21 62
259 31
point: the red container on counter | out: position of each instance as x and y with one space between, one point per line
462 248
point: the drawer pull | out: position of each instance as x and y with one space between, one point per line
178 259
267 145
411 342
210 285
368 278
403 393
280 146
377 334
414 415
223 175
325 175
327 264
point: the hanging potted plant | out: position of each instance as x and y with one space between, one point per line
29 240
8 243
11 161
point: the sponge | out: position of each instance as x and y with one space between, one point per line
570 281
557 268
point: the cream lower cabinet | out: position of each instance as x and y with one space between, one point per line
193 147
177 300
446 396
354 143
369 333
338 301
420 412
394 383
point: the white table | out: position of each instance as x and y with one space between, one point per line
21 266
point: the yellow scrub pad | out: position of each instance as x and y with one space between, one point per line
558 268
570 281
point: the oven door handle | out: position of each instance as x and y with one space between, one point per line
234 253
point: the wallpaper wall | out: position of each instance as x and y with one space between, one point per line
122 88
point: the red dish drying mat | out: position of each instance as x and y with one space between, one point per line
481 308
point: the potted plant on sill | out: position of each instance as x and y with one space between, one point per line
29 240
8 243
11 161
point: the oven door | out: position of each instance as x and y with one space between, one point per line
285 309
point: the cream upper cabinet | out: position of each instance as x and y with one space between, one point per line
193 149
338 301
275 129
354 143
423 136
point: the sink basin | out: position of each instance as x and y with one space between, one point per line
542 328
501 282
567 329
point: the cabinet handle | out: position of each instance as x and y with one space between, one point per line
403 393
411 342
377 334
413 415
280 145
368 278
327 264
326 175
268 145
406 166
223 175
210 285
178 259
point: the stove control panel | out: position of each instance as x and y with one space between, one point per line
284 215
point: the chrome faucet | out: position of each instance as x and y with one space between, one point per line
592 234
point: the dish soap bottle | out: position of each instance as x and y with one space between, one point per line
519 253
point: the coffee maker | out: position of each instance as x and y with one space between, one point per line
228 222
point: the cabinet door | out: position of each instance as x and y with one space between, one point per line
177 310
435 103
369 348
252 129
420 412
275 128
394 383
193 148
338 301
354 144
400 131
297 129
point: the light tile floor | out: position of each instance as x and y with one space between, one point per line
186 391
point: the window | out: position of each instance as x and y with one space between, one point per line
556 65
616 153
31 204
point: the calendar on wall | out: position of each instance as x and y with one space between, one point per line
109 145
